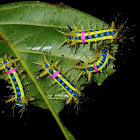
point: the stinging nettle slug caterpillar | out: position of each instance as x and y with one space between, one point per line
14 78
90 35
98 64
61 79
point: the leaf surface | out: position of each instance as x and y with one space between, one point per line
33 29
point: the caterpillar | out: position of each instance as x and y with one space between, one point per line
58 76
98 64
14 75
92 35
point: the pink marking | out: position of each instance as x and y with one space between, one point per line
55 74
83 38
94 66
11 71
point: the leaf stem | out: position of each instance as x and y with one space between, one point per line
17 54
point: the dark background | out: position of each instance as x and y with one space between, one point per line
110 110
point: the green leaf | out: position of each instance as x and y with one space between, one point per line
100 77
30 29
